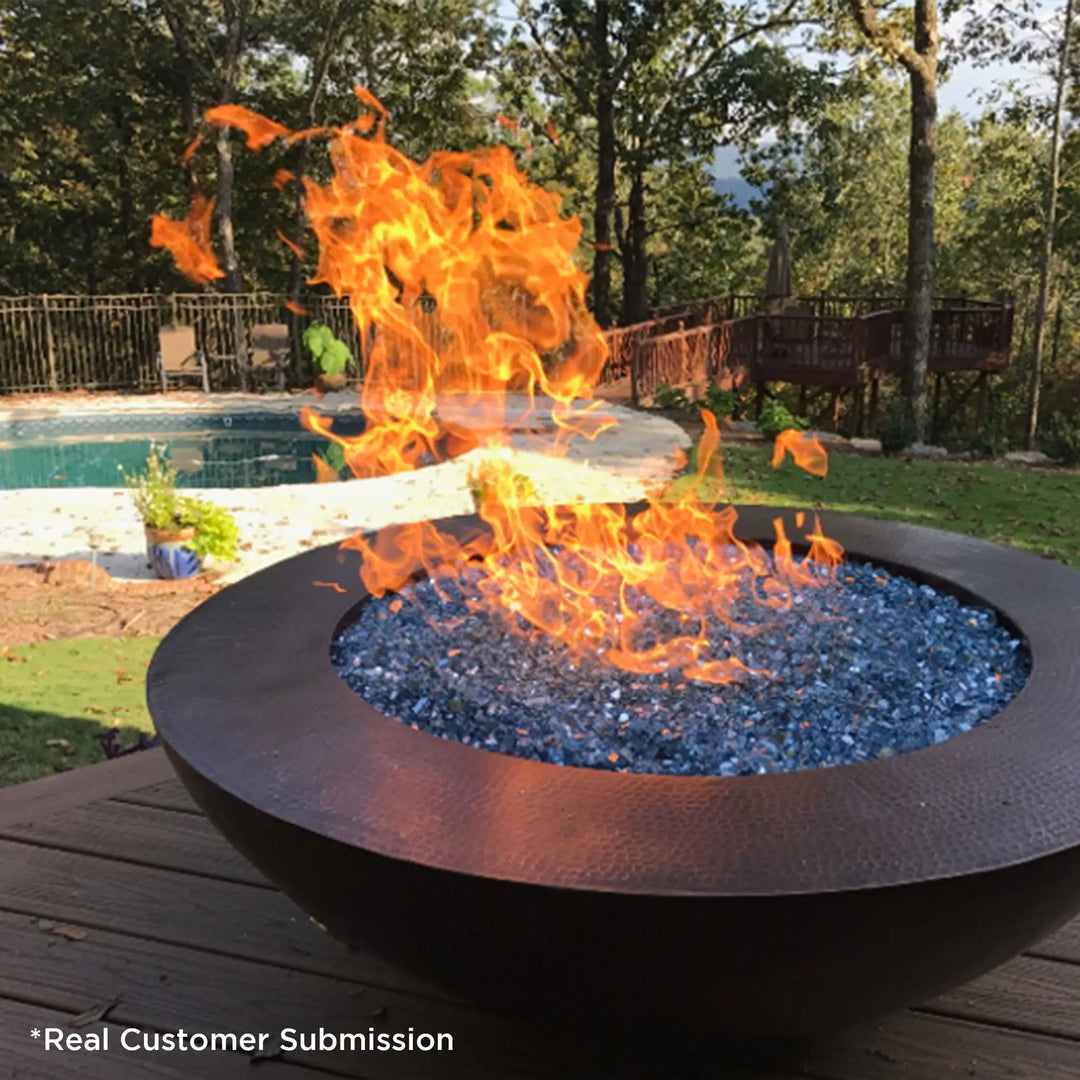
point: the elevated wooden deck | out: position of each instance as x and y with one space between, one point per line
118 897
829 342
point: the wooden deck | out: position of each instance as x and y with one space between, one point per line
116 892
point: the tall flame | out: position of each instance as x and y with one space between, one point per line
460 273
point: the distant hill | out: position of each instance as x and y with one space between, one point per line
739 189
727 180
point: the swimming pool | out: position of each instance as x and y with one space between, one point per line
208 450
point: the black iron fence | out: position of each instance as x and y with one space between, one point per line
50 343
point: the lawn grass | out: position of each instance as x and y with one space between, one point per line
1034 509
56 696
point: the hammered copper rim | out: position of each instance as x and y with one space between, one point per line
244 692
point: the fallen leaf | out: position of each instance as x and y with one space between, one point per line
66 930
267 1054
94 1013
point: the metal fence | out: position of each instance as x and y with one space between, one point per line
50 343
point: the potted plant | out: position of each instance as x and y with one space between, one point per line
330 354
182 531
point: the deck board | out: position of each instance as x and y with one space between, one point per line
157 909
140 834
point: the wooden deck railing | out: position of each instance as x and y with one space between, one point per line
623 339
702 354
829 342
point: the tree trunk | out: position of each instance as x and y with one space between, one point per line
1049 227
318 79
919 290
175 17
635 306
236 15
605 170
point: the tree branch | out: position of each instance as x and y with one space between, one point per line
886 38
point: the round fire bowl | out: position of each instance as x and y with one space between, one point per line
761 906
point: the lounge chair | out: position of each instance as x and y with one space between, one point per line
270 349
179 357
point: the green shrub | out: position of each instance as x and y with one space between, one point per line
216 532
330 353
334 456
161 506
898 431
1061 439
776 418
673 398
154 491
484 480
721 403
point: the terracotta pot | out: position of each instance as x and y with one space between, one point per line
327 383
169 554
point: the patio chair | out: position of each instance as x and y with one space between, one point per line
179 357
270 348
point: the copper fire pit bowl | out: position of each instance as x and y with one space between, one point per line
761 906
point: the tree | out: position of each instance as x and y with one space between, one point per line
217 47
659 82
919 58
1049 227
840 178
84 151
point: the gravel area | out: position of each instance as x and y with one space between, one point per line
864 666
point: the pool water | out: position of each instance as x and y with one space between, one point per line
218 458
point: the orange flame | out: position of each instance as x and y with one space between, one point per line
189 150
281 178
189 241
805 450
259 130
460 274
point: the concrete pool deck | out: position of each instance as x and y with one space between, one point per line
622 464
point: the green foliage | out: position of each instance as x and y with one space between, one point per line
334 456
330 353
776 418
484 480
673 398
154 491
898 431
216 532
1061 439
161 506
727 404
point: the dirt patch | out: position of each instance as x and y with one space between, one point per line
73 599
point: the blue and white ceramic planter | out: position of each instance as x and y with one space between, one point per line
170 555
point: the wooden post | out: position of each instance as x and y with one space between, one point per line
874 403
50 349
936 410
